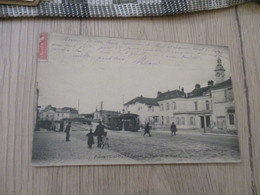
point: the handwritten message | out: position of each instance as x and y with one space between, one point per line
133 51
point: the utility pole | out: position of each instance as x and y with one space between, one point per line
101 111
123 120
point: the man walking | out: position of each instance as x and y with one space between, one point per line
67 130
173 129
99 132
147 129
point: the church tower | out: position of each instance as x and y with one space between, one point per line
219 72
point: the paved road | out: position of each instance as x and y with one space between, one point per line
132 147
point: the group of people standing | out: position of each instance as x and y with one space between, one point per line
147 129
102 139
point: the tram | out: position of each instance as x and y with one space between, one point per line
127 122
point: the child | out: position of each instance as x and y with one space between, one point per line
104 140
90 136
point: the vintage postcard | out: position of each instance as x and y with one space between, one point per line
121 101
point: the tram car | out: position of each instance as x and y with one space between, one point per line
130 122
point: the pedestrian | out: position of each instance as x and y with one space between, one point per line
147 129
90 136
105 141
173 129
67 130
99 132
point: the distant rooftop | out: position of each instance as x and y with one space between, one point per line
143 100
198 92
60 110
224 84
170 94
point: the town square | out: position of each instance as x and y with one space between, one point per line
187 146
146 102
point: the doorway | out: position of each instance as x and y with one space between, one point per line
202 124
207 121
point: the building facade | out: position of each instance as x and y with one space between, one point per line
211 106
50 113
146 108
224 106
187 110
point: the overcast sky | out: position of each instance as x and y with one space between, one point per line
115 70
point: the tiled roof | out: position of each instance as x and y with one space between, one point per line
199 92
143 100
224 84
170 95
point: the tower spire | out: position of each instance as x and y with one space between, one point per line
219 72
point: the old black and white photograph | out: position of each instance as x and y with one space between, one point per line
106 101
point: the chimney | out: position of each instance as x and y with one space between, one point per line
182 90
210 83
158 93
141 96
197 86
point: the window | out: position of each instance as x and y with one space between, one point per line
225 94
174 105
167 106
231 119
230 95
192 121
58 114
167 119
151 108
162 119
196 105
161 107
207 105
177 121
182 120
156 119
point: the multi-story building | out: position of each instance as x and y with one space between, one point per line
223 115
146 108
204 107
57 114
186 110
169 102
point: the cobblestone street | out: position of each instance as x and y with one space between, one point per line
50 148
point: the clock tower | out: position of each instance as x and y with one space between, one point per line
219 72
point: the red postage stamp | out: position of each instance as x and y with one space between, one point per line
43 47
